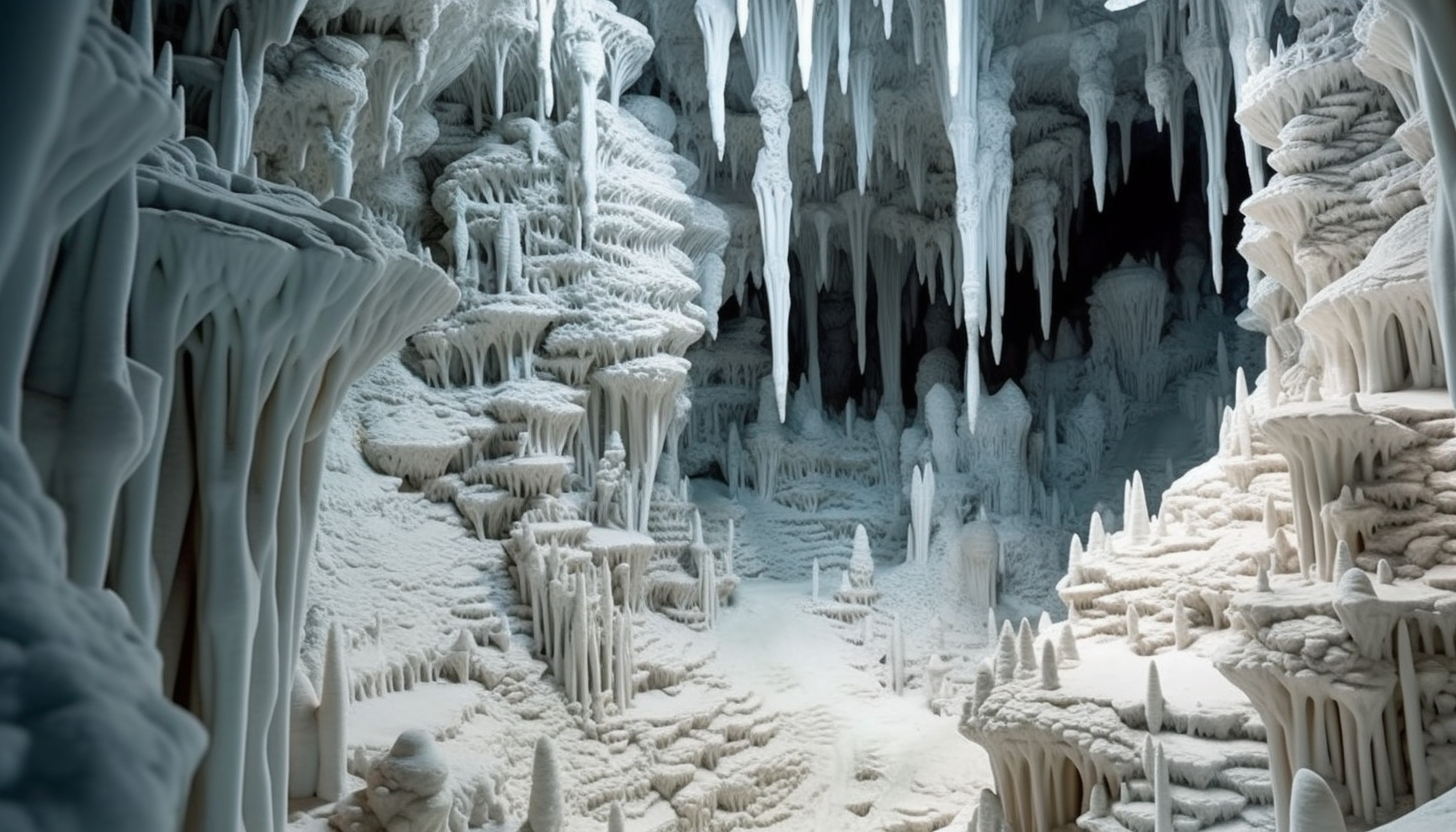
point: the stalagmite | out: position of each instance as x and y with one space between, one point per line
1162 793
990 814
1026 650
1153 700
1411 704
1067 645
897 656
333 712
1006 655
1343 561
1135 513
547 807
1049 679
1313 807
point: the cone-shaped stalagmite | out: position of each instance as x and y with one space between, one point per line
1153 706
547 809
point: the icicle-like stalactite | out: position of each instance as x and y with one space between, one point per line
1166 80
1091 57
842 18
545 38
862 102
958 89
769 45
1248 49
588 63
804 19
890 261
1207 61
716 20
1033 204
817 80
996 170
858 209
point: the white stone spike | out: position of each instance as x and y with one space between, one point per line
1181 635
1067 645
234 127
990 815
1162 793
163 70
1153 701
1344 561
1135 511
1049 677
1411 704
1096 537
546 808
332 717
1312 805
887 7
1026 650
843 19
897 655
1273 371
179 106
742 17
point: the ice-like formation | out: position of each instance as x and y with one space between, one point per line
629 260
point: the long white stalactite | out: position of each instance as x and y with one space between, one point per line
769 44
716 20
1207 61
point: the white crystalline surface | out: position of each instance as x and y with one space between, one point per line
676 416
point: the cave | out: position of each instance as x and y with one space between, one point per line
668 416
